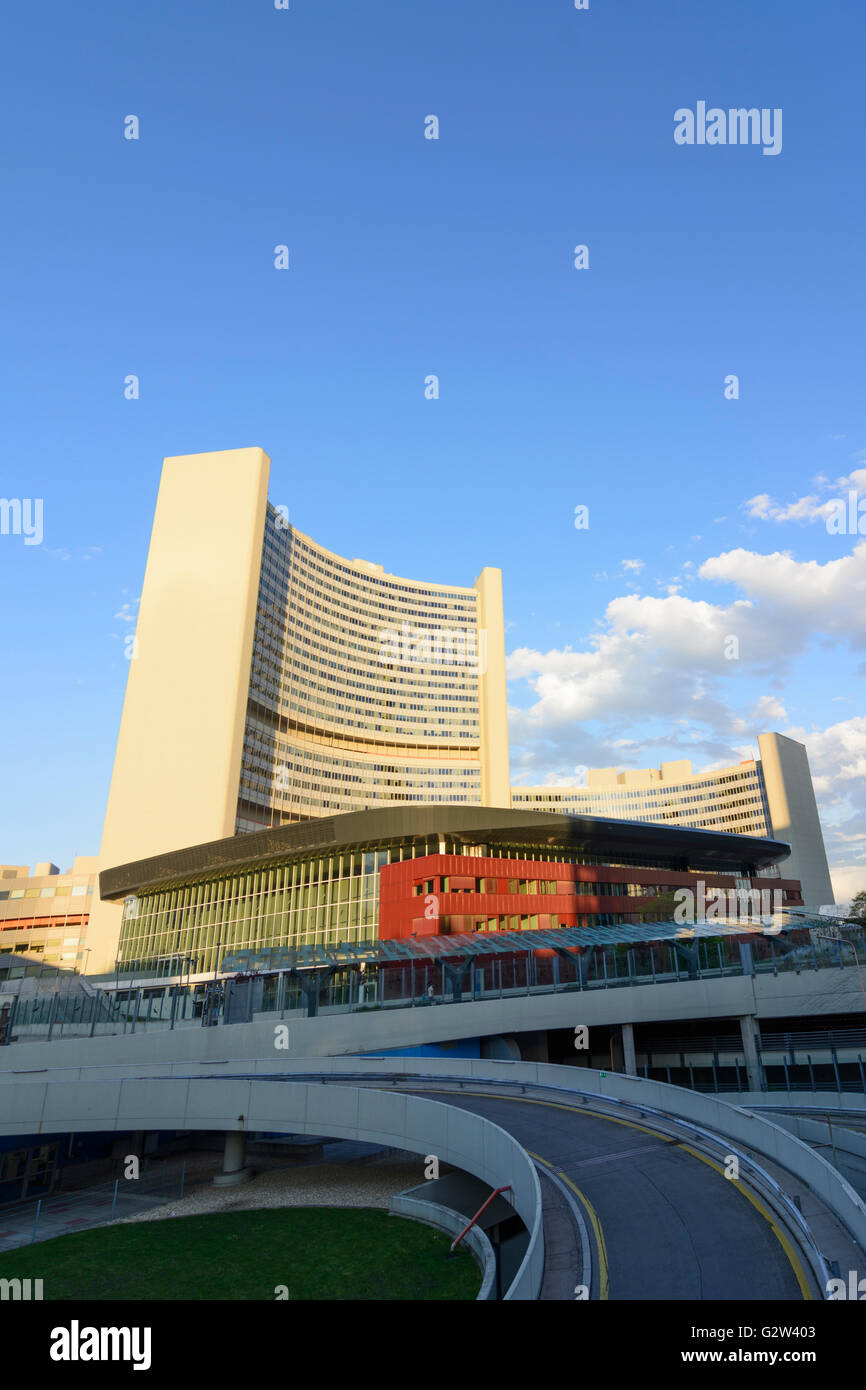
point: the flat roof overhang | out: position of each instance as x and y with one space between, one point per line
475 824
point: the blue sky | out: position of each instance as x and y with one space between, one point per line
558 387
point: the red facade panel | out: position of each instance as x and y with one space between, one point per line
482 889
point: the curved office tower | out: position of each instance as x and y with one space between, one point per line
771 796
367 689
273 681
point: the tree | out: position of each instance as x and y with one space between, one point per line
857 910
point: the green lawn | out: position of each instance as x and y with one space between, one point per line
317 1252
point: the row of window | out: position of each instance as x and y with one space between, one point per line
553 885
534 922
285 543
355 608
75 890
277 653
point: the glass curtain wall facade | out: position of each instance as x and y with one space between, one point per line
325 899
315 901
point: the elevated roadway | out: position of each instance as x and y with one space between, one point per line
634 1201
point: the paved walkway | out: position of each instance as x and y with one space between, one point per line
72 1211
357 1181
318 1185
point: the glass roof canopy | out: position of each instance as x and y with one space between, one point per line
427 948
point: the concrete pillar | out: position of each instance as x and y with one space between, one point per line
629 1058
749 1033
233 1171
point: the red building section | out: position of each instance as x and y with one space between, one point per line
445 894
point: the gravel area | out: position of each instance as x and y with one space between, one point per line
320 1185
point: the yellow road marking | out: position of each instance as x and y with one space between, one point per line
793 1258
603 1267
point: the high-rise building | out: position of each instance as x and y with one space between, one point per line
44 914
770 796
273 681
367 689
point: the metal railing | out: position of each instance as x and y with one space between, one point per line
480 1212
43 1218
152 1006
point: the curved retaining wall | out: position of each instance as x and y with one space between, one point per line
389 1118
743 1126
452 1223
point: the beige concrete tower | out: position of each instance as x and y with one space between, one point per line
794 815
177 766
495 776
274 681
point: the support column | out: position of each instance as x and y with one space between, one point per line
629 1057
233 1171
749 1033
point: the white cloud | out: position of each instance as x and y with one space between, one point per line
665 657
809 508
654 682
794 595
768 710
